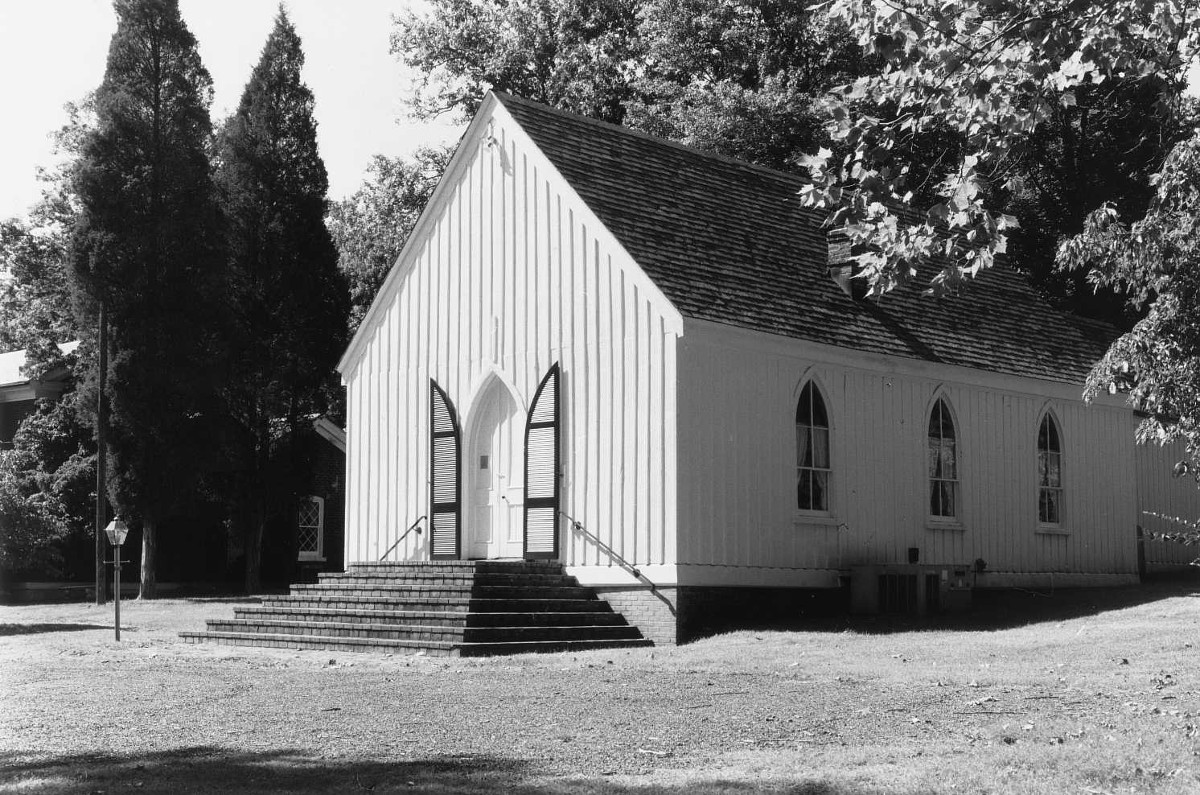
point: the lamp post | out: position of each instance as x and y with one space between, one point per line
116 532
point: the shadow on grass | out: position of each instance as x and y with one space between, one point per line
38 629
203 769
1008 608
991 609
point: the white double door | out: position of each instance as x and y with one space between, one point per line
494 469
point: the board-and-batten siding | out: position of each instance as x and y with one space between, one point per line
508 274
1161 493
737 479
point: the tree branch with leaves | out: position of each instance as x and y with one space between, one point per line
995 72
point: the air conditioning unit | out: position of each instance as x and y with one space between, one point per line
910 589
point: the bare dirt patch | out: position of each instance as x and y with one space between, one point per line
1103 701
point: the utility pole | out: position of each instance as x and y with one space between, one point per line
101 479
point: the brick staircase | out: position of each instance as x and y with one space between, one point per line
444 608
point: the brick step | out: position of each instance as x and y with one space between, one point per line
300 601
454 604
446 618
546 646
539 605
393 590
384 588
601 615
468 566
397 578
432 648
333 629
549 633
457 607
435 578
432 617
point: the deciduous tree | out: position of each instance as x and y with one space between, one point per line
369 228
730 77
1155 261
997 73
740 78
752 79
573 54
46 486
47 477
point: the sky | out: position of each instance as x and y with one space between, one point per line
53 52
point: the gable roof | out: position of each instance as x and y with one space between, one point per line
728 242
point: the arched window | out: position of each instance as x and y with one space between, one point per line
812 451
1049 453
943 463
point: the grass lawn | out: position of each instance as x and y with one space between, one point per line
1088 698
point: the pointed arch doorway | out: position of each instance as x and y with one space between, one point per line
494 474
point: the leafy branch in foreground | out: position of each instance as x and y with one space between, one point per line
993 72
1156 262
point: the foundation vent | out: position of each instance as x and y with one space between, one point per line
910 590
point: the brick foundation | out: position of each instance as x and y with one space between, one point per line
669 616
705 611
653 612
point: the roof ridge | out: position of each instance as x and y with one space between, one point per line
505 97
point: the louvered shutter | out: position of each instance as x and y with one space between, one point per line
445 477
541 470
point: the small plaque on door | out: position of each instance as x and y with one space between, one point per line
483 462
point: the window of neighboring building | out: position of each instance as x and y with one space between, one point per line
943 463
1049 454
311 528
812 451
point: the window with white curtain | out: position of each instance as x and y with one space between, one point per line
813 468
943 463
1049 459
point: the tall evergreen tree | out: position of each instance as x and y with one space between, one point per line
289 299
147 246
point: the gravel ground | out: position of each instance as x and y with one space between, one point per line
1103 702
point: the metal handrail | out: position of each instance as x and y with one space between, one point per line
404 535
578 527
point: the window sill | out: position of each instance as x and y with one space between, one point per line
949 526
802 518
1052 530
311 559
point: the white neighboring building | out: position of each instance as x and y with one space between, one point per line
617 352
19 393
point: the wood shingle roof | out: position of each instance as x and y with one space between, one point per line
728 242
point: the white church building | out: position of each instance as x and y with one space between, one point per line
620 353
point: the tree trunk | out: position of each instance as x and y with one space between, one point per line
149 584
101 461
253 538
